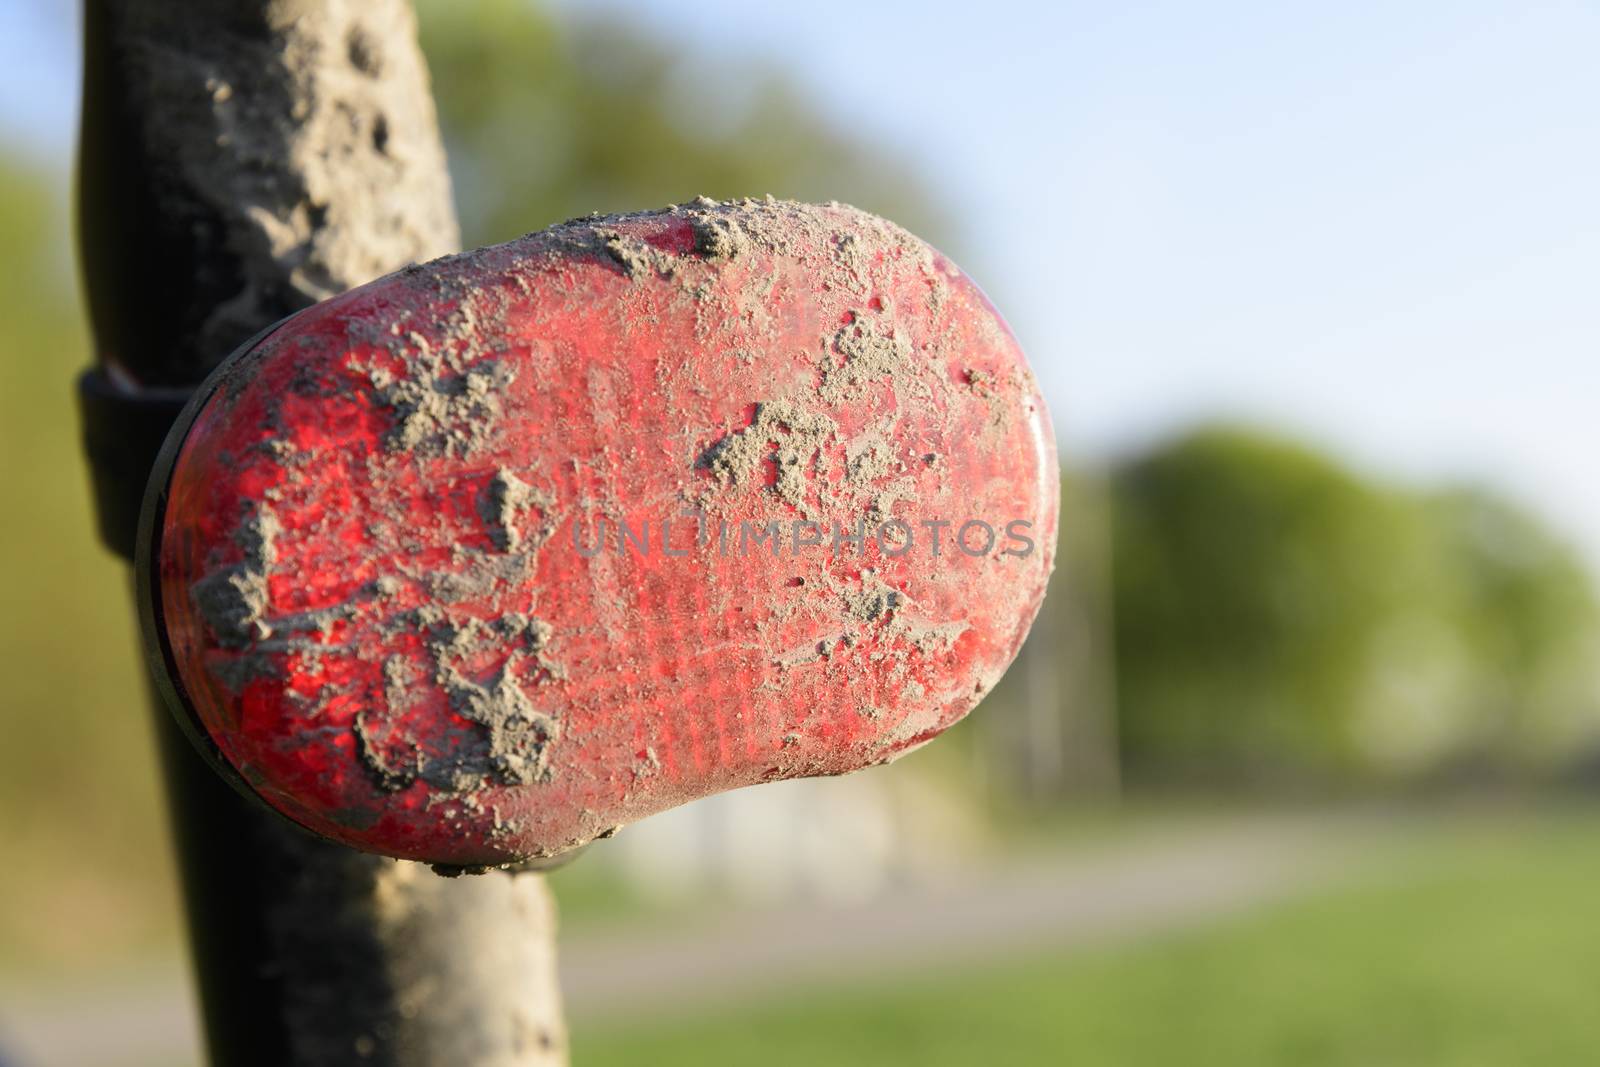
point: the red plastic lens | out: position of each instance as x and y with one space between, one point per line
489 557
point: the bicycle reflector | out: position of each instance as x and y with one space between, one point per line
496 554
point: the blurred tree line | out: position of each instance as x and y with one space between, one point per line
1236 610
1229 607
545 121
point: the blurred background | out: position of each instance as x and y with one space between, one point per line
1300 763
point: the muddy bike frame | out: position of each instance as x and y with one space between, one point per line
305 952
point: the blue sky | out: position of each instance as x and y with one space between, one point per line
1375 224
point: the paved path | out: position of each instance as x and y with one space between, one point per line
1105 894
1112 893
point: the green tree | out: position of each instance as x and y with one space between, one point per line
1527 617
544 122
1279 619
1249 573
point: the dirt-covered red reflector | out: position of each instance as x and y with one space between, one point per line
494 555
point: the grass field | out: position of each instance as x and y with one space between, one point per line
1479 945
